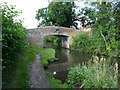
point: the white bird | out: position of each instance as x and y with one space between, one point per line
54 72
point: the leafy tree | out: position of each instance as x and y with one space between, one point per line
117 17
105 33
59 13
106 25
13 35
86 16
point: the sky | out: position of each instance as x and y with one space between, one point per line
29 8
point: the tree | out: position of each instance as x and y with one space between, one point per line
86 16
106 26
105 19
13 35
59 14
117 17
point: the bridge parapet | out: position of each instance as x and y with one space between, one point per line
36 35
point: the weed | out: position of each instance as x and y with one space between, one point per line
92 75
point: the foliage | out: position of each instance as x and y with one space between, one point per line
75 76
35 48
85 16
57 13
22 78
55 83
92 75
106 27
55 39
47 55
18 77
105 33
117 18
13 35
80 42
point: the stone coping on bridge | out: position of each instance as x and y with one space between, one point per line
36 35
54 27
57 27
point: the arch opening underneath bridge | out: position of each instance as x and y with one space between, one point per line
64 40
36 36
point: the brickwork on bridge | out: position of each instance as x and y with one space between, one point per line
36 36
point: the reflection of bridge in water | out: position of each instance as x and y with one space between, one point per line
61 66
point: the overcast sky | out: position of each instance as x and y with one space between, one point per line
29 8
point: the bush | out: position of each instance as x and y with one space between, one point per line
92 75
81 42
49 38
104 40
55 39
75 76
13 35
55 83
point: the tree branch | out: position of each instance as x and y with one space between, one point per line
104 39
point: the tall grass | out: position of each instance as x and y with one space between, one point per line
92 75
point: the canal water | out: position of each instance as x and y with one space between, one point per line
67 58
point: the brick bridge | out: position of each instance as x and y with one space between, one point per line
36 36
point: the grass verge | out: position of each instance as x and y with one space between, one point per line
47 55
18 75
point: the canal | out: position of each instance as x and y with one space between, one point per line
66 59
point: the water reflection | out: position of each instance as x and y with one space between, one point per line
67 58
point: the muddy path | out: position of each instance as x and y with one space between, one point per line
37 74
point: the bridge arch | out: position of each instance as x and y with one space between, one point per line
64 39
36 35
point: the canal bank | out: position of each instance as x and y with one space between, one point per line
68 58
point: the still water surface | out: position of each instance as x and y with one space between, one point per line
67 58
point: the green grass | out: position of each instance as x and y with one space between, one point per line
18 77
36 48
21 79
47 55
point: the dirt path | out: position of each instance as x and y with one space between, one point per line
37 74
